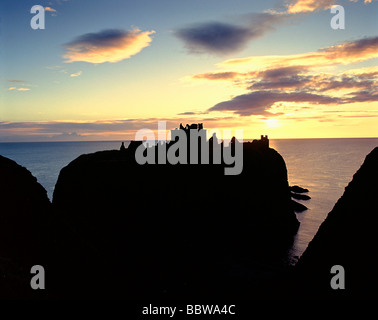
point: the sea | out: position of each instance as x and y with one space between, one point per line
324 166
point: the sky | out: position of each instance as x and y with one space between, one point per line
101 70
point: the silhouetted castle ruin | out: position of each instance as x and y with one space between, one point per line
263 142
194 126
187 128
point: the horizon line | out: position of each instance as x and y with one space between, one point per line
244 140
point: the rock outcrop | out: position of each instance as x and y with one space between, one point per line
348 237
170 231
24 216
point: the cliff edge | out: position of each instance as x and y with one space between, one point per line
347 237
24 217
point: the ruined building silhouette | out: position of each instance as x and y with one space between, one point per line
187 128
263 142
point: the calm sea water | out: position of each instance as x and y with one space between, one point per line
324 166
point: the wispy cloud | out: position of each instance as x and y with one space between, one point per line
18 89
192 113
300 6
345 53
259 102
107 46
228 75
49 9
99 130
15 81
76 74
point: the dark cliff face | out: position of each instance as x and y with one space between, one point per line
348 237
170 230
24 210
118 229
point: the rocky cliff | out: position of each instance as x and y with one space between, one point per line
170 230
347 237
24 216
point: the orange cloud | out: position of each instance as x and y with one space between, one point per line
299 6
107 46
309 5
50 9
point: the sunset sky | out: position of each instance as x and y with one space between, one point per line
100 70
